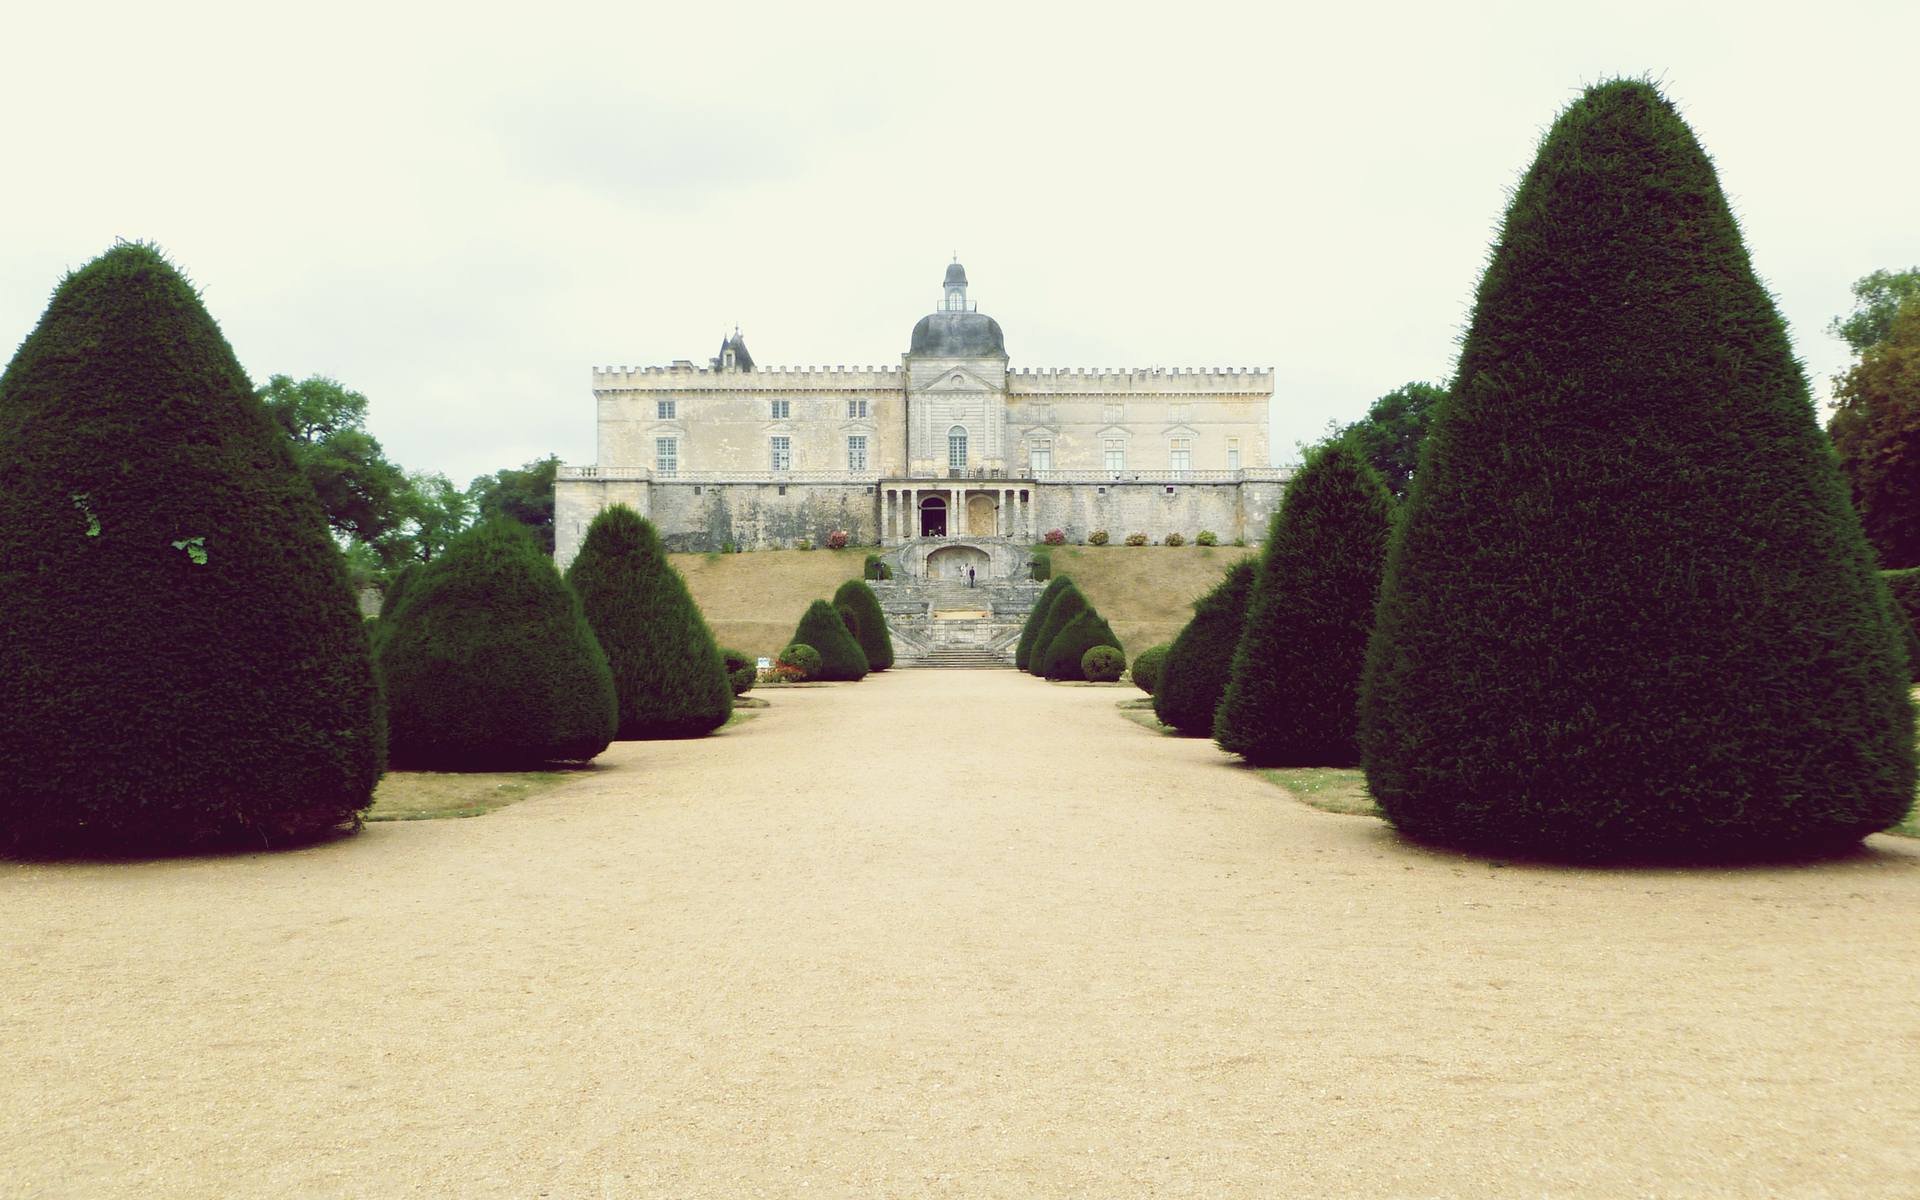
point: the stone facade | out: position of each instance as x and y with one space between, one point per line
950 443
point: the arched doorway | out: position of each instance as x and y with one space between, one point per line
933 517
982 519
951 563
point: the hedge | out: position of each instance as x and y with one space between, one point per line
869 625
840 656
1068 648
1023 653
1201 658
1065 607
1147 666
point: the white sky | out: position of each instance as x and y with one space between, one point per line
459 211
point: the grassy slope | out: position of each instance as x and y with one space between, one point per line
754 600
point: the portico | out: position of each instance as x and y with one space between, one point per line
949 508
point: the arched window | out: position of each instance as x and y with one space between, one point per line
957 448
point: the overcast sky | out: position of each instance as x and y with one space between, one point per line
460 211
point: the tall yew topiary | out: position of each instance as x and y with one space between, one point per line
840 656
667 671
1628 612
1070 645
1291 699
870 629
1023 652
490 664
1197 666
1069 604
182 663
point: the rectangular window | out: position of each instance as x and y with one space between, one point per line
857 452
663 410
1116 454
1180 454
780 410
782 452
1233 454
1040 457
666 457
857 409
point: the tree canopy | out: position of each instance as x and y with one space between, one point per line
1389 436
523 494
1877 297
1876 429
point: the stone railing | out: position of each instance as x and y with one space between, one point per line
644 475
1166 475
969 479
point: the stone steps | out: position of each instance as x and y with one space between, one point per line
962 658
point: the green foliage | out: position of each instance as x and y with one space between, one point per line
1876 429
877 568
1136 539
1195 673
1069 647
1389 436
1067 605
363 493
396 593
523 494
490 664
1292 694
868 623
667 672
840 655
1904 587
1174 539
182 664
434 513
1040 565
1628 612
1097 538
742 670
800 661
1102 664
1876 298
1206 537
1147 666
1036 619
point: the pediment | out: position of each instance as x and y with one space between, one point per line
1115 431
1181 430
957 379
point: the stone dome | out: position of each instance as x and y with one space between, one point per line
958 335
956 276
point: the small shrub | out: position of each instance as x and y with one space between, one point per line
803 544
1036 620
840 655
837 540
1201 659
1067 604
1206 537
1102 664
1097 538
797 663
1040 566
1147 664
742 670
860 608
726 547
1055 537
1239 541
877 568
1136 539
1174 539
1076 637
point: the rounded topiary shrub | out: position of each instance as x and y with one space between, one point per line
855 600
1195 673
490 664
1102 664
1097 538
182 661
1065 607
1068 647
742 670
877 568
797 663
840 655
1040 566
1174 539
1206 537
1628 612
1136 539
1036 619
666 668
1291 698
1147 665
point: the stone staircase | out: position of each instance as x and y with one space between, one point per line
964 658
944 623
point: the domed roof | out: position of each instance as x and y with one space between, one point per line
958 335
956 276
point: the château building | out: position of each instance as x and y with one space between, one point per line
951 444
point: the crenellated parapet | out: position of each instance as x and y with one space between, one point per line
685 377
1034 381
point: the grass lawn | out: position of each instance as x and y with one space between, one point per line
430 795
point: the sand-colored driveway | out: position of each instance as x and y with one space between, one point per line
959 935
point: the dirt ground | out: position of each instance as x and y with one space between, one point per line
958 935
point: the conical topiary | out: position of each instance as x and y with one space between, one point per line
840 656
869 625
1292 695
1628 612
1076 637
1069 604
1023 652
1195 673
490 664
182 663
667 671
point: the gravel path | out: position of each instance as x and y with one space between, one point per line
950 934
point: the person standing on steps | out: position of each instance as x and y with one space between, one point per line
969 576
